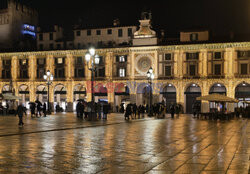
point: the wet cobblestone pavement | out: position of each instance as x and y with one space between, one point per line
64 144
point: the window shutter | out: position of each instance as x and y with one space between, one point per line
117 58
126 58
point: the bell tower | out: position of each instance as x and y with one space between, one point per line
145 35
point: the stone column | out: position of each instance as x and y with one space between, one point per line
230 93
32 68
14 68
180 96
69 67
176 64
181 64
205 91
69 97
1 66
50 64
204 64
51 97
32 89
111 99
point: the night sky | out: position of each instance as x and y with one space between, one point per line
219 16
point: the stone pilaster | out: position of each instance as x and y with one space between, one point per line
176 63
50 64
1 66
181 65
32 68
14 68
230 93
204 63
180 97
109 63
69 67
205 91
111 99
69 97
32 89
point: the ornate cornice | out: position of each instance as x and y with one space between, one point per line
236 45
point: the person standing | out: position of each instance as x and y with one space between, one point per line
44 109
20 111
78 109
105 111
172 110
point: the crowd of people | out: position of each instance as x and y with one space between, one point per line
84 110
158 110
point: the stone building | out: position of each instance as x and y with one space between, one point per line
17 26
182 72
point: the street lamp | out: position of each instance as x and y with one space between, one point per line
92 60
49 78
150 76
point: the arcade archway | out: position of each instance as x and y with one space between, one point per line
242 93
169 95
60 97
24 93
192 91
121 93
78 93
219 89
42 93
143 94
101 93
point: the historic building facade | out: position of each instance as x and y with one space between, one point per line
182 73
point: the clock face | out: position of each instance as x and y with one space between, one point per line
143 64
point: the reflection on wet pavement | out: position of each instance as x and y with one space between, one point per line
184 145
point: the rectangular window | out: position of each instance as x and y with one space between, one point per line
122 72
101 72
23 62
78 45
40 37
59 73
168 70
217 55
122 58
88 32
98 32
41 61
40 46
6 74
243 69
119 32
58 46
78 33
60 60
168 56
6 62
51 36
192 70
192 56
51 46
129 32
40 73
79 60
217 69
109 31
243 54
193 37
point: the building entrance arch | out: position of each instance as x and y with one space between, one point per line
79 93
24 93
192 91
42 93
169 95
60 98
242 93
122 95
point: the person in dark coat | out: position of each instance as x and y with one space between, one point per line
78 109
172 110
32 109
20 111
128 111
44 109
81 110
105 111
134 110
39 108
